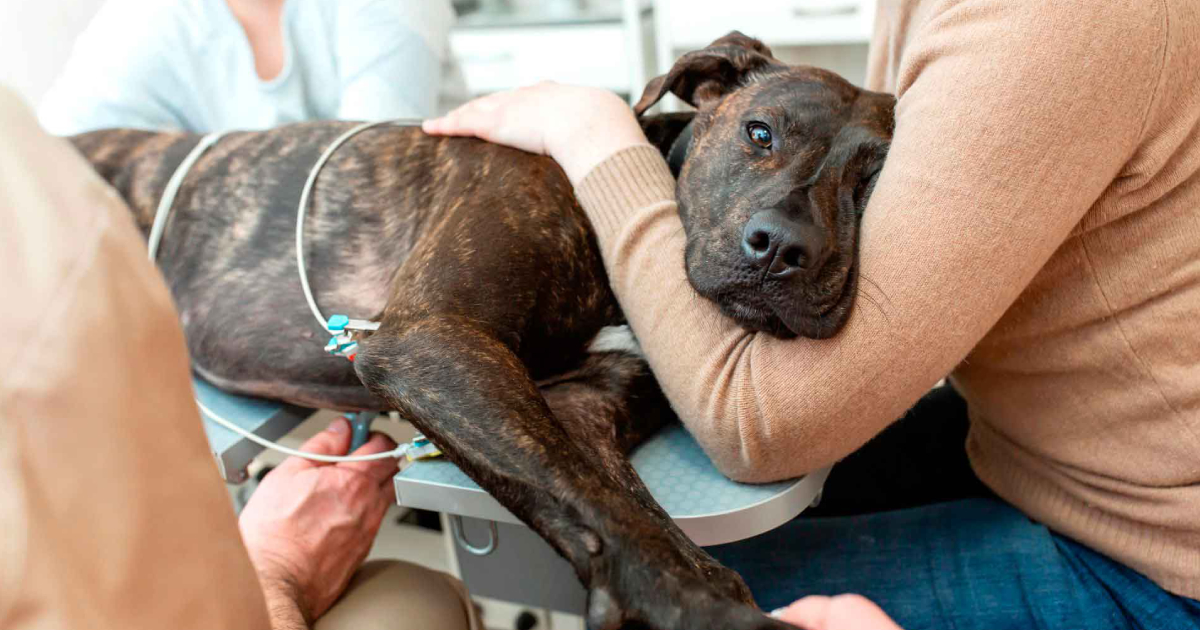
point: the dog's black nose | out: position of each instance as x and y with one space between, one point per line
772 239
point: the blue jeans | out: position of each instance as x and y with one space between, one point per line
906 523
969 564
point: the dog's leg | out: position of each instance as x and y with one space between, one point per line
612 404
471 394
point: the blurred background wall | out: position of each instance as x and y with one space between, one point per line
616 44
35 39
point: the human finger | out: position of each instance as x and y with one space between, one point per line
334 440
842 612
474 118
377 470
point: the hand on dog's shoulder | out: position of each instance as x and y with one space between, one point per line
577 126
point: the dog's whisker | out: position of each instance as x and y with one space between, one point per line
863 276
867 297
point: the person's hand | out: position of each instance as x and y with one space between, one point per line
843 612
577 126
309 525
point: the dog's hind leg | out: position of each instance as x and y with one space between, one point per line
568 480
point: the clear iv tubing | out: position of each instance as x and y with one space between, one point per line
397 453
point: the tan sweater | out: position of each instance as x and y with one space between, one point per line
1036 231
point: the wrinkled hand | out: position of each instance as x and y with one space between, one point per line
844 612
577 126
309 525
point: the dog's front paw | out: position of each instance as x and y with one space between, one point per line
643 599
725 581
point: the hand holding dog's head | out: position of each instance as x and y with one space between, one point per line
781 163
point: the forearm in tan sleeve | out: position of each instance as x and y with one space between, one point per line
997 154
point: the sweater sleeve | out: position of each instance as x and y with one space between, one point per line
1010 123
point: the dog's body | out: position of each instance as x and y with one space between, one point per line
396 218
488 282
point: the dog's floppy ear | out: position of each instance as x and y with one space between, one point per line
711 73
863 145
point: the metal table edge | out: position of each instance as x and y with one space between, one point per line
704 529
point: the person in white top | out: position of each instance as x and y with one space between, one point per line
216 65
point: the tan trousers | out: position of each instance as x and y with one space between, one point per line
393 595
112 514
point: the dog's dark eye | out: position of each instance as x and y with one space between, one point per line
759 134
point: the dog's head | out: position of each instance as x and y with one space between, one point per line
779 167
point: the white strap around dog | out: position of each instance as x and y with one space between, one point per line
158 227
303 207
343 329
168 199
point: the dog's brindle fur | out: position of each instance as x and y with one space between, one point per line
487 279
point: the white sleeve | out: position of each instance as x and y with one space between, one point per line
390 55
119 74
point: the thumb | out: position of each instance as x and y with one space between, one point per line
334 440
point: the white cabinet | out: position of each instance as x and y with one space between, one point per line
609 46
689 24
831 34
620 44
499 58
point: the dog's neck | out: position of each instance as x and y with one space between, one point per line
679 151
672 134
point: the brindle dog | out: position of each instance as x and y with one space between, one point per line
485 274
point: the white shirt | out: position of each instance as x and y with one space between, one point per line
186 64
